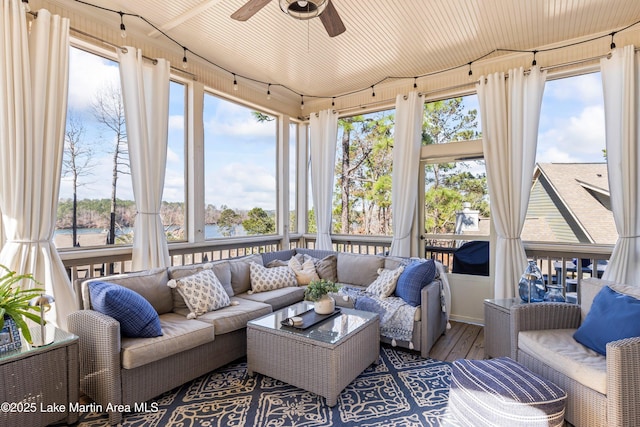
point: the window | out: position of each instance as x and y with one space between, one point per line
172 210
456 203
293 176
240 169
362 196
96 204
569 200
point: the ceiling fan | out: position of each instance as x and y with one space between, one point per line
299 9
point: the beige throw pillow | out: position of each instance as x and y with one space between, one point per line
268 279
385 284
202 292
327 267
305 272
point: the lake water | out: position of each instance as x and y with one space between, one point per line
211 231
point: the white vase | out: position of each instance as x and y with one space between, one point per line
324 305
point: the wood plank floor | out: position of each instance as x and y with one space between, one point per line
462 341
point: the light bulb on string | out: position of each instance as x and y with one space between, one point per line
470 71
302 102
123 29
185 64
613 43
333 101
235 83
415 83
373 92
269 91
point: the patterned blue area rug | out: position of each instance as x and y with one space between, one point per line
402 390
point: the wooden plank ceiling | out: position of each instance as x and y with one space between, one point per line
383 38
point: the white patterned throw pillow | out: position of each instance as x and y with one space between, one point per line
385 284
202 292
305 272
267 279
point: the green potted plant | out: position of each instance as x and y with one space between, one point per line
318 292
14 302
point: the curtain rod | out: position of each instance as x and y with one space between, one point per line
469 84
193 76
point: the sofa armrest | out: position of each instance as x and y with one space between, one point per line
99 355
433 319
540 316
623 382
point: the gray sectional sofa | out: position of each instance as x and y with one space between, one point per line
117 371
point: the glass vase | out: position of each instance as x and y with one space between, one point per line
554 294
531 287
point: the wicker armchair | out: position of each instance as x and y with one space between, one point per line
620 405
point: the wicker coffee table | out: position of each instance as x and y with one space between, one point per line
323 358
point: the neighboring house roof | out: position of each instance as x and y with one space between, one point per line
570 202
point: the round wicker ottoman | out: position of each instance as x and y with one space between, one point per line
501 392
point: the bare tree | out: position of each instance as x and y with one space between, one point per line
108 109
77 162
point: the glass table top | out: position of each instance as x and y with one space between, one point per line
329 331
54 336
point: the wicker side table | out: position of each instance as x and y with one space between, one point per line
497 336
40 384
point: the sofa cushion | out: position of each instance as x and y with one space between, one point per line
415 276
278 298
267 279
385 284
358 269
613 316
202 292
240 272
136 315
220 269
180 334
284 263
558 349
235 316
305 272
326 268
151 284
283 255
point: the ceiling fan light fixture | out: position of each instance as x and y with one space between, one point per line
303 9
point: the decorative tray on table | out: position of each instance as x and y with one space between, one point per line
309 318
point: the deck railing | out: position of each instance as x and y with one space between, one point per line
554 259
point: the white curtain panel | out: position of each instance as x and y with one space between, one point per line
34 73
323 134
620 81
406 161
145 95
510 113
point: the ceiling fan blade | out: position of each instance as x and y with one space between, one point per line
249 9
331 21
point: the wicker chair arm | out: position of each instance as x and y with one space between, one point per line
541 316
99 355
623 382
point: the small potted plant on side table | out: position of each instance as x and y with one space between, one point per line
318 292
14 307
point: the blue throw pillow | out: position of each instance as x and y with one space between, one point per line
613 316
138 319
415 276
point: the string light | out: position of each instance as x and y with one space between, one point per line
184 58
27 8
613 44
269 91
373 92
534 63
123 29
415 85
302 102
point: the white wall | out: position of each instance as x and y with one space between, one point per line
467 297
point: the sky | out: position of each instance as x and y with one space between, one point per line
240 153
